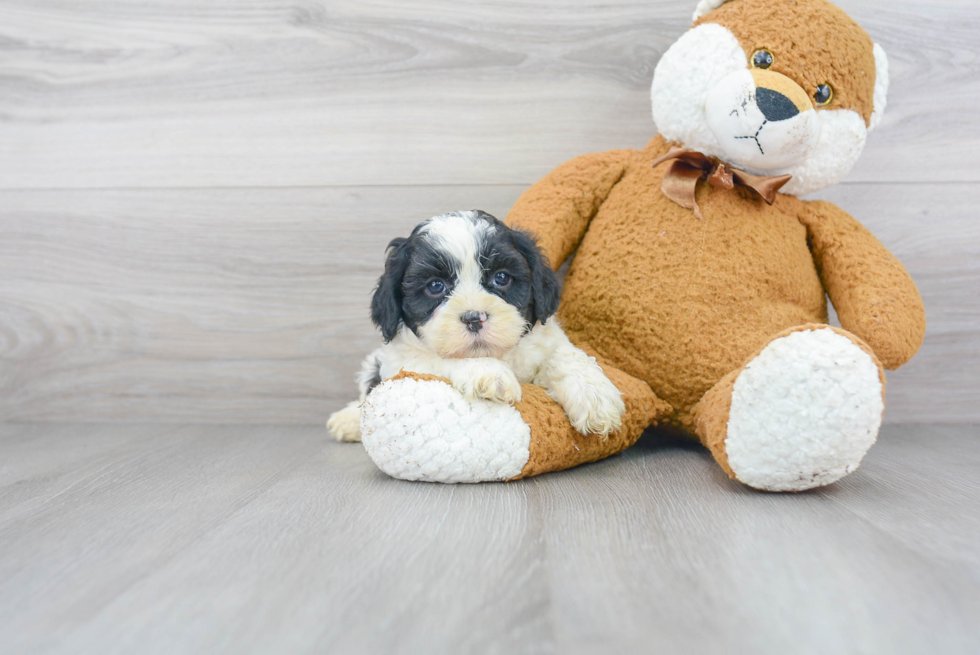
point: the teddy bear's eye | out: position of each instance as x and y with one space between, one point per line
823 96
762 59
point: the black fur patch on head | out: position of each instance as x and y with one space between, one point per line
413 263
400 296
428 263
534 288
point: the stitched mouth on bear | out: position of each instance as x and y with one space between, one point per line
762 120
755 137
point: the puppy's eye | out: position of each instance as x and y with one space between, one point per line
435 288
762 59
823 96
501 279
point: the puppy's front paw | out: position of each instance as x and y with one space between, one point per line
599 412
345 424
488 379
594 405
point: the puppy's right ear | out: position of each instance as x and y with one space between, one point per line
386 305
545 287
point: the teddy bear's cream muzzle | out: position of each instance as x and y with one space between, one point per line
762 119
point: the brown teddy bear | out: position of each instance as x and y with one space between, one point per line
699 279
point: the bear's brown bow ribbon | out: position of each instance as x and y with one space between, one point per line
690 166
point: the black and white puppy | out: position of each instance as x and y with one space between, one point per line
469 299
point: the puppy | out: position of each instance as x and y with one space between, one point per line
471 300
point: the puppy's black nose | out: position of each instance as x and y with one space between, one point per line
473 320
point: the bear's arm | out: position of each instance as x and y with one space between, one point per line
873 294
557 209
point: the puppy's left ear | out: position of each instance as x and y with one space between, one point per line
545 287
386 304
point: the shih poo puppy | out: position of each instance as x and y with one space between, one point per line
469 299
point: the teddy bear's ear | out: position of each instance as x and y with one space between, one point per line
881 86
706 7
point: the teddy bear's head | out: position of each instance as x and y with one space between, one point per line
773 87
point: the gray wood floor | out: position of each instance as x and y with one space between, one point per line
175 539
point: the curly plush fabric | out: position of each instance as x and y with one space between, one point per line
417 427
555 445
765 440
678 302
718 324
816 43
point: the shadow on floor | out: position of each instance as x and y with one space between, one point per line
666 437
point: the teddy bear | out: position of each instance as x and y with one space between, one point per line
698 278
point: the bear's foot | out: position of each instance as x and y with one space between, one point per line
800 414
421 428
418 427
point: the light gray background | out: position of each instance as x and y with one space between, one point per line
194 201
195 197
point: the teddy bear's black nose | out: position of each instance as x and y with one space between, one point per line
774 105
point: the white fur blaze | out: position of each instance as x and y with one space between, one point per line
425 430
804 412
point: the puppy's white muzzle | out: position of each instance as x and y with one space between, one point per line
449 334
763 120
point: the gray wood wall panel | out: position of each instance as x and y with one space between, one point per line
250 305
194 198
160 93
201 305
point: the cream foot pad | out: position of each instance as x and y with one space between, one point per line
425 430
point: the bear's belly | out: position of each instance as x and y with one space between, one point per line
680 302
